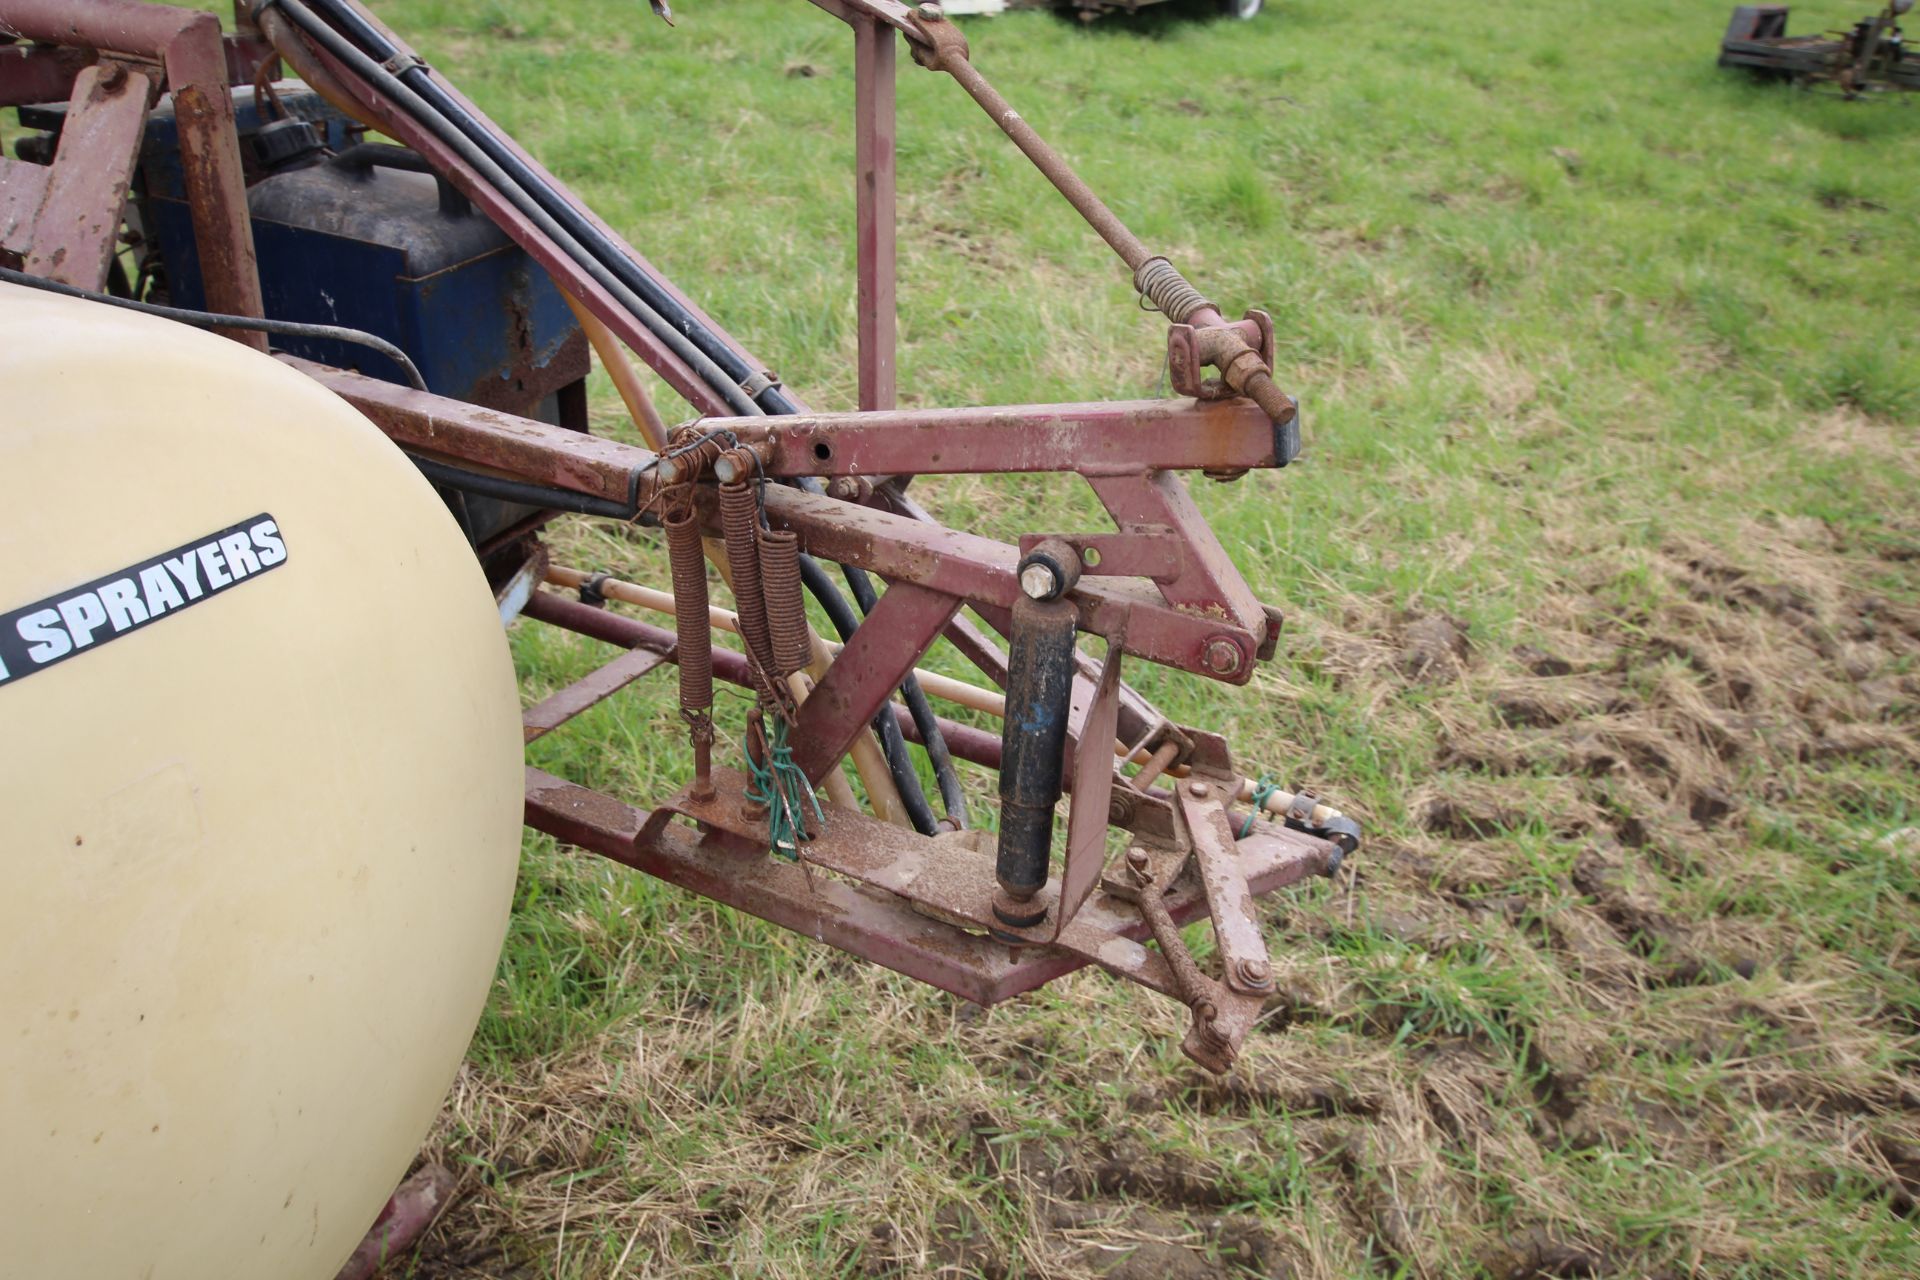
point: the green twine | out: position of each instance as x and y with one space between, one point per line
1261 790
782 788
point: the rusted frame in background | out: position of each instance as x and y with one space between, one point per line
64 218
194 58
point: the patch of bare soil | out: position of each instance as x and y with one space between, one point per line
1386 1122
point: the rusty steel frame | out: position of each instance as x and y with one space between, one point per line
1164 590
194 61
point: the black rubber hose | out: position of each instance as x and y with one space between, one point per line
952 797
409 103
893 743
214 320
610 255
532 495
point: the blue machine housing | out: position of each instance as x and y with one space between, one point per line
357 239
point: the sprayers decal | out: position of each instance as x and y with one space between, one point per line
36 636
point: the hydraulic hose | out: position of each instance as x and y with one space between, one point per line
415 76
532 495
411 105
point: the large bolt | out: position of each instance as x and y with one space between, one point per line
1198 789
1222 656
850 488
1255 973
1039 581
931 12
1139 865
1050 570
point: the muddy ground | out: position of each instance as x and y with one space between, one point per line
1615 994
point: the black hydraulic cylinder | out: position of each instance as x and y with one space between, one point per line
1040 669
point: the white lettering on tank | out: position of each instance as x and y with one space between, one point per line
266 536
209 553
239 554
158 588
186 573
122 600
42 631
83 614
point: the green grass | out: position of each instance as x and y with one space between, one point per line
1594 342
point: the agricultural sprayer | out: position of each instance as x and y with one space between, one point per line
267 779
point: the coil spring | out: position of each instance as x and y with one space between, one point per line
688 566
1161 283
786 608
740 523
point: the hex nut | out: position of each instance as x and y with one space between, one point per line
1222 656
1038 582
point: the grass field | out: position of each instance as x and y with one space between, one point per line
1604 618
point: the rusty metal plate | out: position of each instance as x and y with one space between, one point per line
1087 814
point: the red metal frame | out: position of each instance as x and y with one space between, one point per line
1182 603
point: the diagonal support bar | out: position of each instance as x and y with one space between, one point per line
882 651
1207 577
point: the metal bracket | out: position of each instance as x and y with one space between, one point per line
1202 805
1139 551
754 383
1186 370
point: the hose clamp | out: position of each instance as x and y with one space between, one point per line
401 63
754 383
590 590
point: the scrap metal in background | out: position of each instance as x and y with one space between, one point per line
1871 56
252 197
1088 10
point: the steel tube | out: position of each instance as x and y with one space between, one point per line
1113 438
1051 164
874 60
